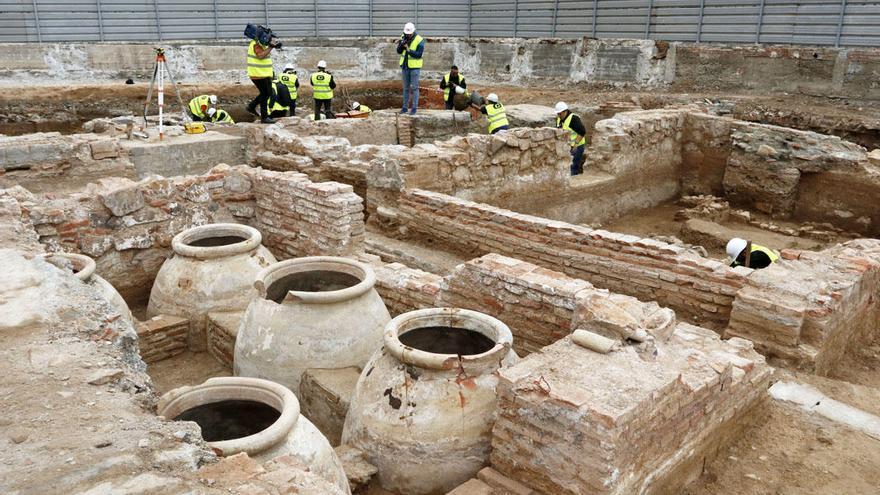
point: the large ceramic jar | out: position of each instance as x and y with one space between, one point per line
317 312
213 269
258 417
425 404
83 268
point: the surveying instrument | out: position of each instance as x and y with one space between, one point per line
159 72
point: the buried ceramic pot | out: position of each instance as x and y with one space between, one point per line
257 417
83 268
317 312
424 406
213 269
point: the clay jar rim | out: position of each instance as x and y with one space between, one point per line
449 317
273 273
181 242
279 397
83 266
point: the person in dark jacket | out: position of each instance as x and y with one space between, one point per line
577 135
449 83
744 253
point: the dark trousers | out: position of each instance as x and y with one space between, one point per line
327 111
449 103
577 160
265 87
502 128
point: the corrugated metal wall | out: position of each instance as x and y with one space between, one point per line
820 22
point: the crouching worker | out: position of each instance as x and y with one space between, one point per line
744 253
288 83
220 116
198 107
570 122
495 113
357 107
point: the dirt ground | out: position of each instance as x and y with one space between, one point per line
185 369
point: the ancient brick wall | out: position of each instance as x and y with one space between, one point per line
405 289
127 226
698 288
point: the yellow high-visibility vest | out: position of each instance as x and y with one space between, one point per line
321 89
497 117
276 106
412 62
447 88
365 109
258 68
575 139
289 80
769 252
195 105
222 116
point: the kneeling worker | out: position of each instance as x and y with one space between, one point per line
198 107
220 116
744 253
289 80
357 107
322 90
494 111
570 122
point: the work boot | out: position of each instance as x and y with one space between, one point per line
252 108
267 120
412 112
402 110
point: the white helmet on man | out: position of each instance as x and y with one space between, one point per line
322 64
211 111
409 28
492 97
213 99
735 246
289 67
355 105
561 107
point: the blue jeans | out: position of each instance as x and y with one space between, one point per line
577 160
411 85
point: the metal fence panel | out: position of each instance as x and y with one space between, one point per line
819 22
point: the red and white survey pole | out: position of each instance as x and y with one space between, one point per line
159 80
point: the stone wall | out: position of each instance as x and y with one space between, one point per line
810 308
127 226
635 420
698 288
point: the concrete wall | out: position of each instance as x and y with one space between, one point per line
643 63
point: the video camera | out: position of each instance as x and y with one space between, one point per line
263 36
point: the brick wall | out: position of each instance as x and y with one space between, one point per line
127 226
573 421
405 289
696 287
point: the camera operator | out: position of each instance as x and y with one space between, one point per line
411 47
260 71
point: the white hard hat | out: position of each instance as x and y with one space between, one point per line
322 64
211 111
409 28
735 246
561 107
492 97
213 99
355 105
288 67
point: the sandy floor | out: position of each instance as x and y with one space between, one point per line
188 368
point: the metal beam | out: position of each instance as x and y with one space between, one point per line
416 8
216 22
470 10
555 17
515 18
595 12
158 21
370 18
100 21
700 21
37 22
648 20
266 11
840 22
760 23
315 4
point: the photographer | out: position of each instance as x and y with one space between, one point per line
411 47
259 69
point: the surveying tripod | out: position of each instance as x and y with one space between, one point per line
159 72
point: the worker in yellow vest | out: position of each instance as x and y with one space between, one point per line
322 90
411 48
357 107
452 83
198 107
494 111
287 86
260 71
220 116
744 253
577 132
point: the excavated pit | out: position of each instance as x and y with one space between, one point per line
230 419
447 340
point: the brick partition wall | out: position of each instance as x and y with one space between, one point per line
698 288
127 226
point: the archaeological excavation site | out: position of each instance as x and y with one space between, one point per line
422 292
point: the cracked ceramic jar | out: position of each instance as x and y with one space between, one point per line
316 312
213 269
424 406
257 417
83 268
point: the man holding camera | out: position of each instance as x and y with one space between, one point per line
260 71
411 47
